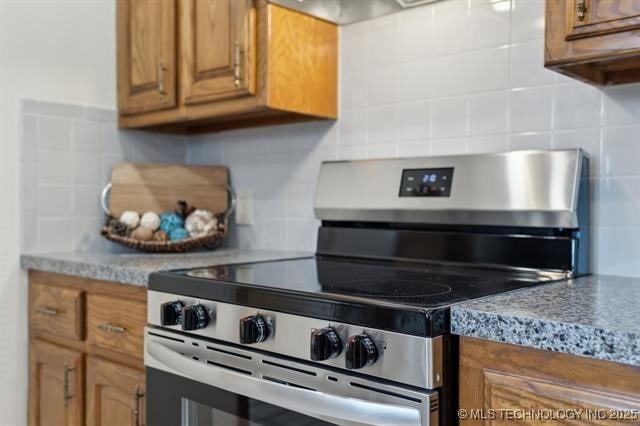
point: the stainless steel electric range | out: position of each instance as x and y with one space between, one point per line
359 333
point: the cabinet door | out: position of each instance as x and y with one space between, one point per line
115 394
592 18
146 55
217 50
56 385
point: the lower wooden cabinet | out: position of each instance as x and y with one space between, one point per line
56 385
94 378
501 384
115 394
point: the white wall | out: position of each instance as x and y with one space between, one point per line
458 76
56 50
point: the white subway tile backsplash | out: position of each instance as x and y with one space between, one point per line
353 89
486 144
577 105
489 23
381 124
54 133
86 136
353 127
57 109
414 121
54 201
618 202
416 38
589 140
87 169
28 187
489 69
54 167
530 141
385 150
54 235
622 104
527 65
488 113
453 146
451 75
64 163
530 110
382 47
527 20
449 117
29 138
382 86
621 151
414 81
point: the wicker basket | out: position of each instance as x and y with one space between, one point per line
210 241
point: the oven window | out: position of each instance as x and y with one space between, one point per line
174 400
197 414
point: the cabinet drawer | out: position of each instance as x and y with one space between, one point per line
57 311
116 324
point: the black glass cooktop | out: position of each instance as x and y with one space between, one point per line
348 290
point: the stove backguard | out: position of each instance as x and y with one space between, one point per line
520 210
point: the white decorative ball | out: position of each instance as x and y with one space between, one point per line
150 220
130 218
200 223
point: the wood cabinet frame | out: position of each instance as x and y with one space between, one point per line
282 87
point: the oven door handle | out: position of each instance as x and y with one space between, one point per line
336 409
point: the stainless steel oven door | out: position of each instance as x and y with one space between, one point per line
240 387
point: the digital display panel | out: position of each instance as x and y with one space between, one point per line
426 182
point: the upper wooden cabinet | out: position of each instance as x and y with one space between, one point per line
146 56
238 63
597 41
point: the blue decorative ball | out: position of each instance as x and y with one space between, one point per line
178 234
170 221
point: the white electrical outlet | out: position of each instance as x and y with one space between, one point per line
244 208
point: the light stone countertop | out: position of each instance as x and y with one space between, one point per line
596 316
135 269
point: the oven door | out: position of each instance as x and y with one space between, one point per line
194 382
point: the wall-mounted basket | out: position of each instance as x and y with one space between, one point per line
159 188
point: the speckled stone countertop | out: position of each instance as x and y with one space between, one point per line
596 316
135 268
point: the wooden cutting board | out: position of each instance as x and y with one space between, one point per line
159 187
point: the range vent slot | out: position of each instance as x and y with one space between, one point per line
284 382
385 392
228 367
299 370
228 352
166 337
434 405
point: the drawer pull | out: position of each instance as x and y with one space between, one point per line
137 395
110 328
237 66
50 312
581 8
67 371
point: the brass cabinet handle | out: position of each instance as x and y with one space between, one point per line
581 8
137 395
44 310
67 371
110 328
237 68
161 70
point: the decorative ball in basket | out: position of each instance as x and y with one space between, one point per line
167 208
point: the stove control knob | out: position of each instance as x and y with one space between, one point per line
253 329
325 344
194 317
171 313
361 352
